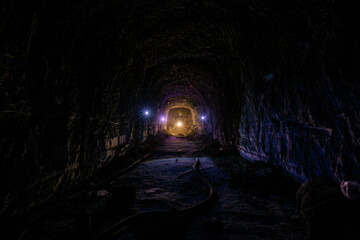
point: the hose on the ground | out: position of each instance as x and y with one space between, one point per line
121 226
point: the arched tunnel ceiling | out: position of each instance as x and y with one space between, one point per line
184 49
188 81
156 49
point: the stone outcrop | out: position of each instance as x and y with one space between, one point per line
325 211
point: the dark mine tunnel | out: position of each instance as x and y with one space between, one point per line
180 119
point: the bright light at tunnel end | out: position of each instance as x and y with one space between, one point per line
146 113
202 117
162 119
179 124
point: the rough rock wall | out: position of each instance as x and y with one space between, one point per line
61 115
302 111
313 136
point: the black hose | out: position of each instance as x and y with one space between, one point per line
124 224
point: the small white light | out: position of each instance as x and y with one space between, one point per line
163 119
202 117
179 124
146 112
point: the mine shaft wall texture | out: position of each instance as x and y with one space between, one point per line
315 135
304 113
62 116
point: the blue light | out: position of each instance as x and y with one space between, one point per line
163 119
202 117
146 113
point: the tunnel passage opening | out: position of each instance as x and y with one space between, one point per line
180 121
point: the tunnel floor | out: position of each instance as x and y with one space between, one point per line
237 214
177 147
165 182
